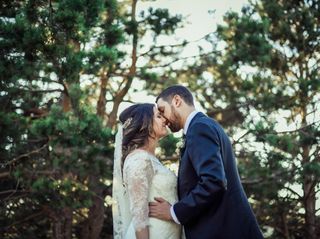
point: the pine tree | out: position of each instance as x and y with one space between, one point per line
51 141
63 74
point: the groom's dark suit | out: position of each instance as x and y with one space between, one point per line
212 203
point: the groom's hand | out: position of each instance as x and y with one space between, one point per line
160 209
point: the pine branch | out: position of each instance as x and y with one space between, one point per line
25 219
184 43
314 183
179 59
11 191
124 101
294 192
159 47
26 155
42 91
252 181
169 159
4 175
242 136
262 179
299 129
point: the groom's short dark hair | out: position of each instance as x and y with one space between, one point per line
168 93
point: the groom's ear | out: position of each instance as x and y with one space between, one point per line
177 100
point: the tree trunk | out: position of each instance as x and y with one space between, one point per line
309 196
285 226
96 216
66 102
132 71
57 230
101 106
92 227
309 200
67 223
62 224
116 103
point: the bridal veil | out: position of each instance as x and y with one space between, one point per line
120 207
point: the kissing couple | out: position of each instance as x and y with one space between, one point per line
205 201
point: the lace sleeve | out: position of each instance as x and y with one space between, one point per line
138 173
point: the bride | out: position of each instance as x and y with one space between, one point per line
139 176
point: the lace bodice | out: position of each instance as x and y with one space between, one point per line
145 178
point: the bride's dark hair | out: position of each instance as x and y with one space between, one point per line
137 121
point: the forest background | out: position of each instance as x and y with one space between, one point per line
68 66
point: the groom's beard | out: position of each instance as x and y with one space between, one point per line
174 125
174 128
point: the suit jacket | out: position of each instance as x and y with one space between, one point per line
212 203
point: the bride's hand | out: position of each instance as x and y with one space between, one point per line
160 209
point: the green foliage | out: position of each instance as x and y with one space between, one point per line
160 20
55 150
148 76
75 148
247 38
168 145
48 151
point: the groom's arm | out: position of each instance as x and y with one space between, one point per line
204 152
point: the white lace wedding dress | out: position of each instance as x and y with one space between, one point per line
145 178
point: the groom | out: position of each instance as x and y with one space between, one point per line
212 203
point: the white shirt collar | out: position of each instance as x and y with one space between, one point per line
187 123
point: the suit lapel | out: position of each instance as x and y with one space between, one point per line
183 148
185 138
195 118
